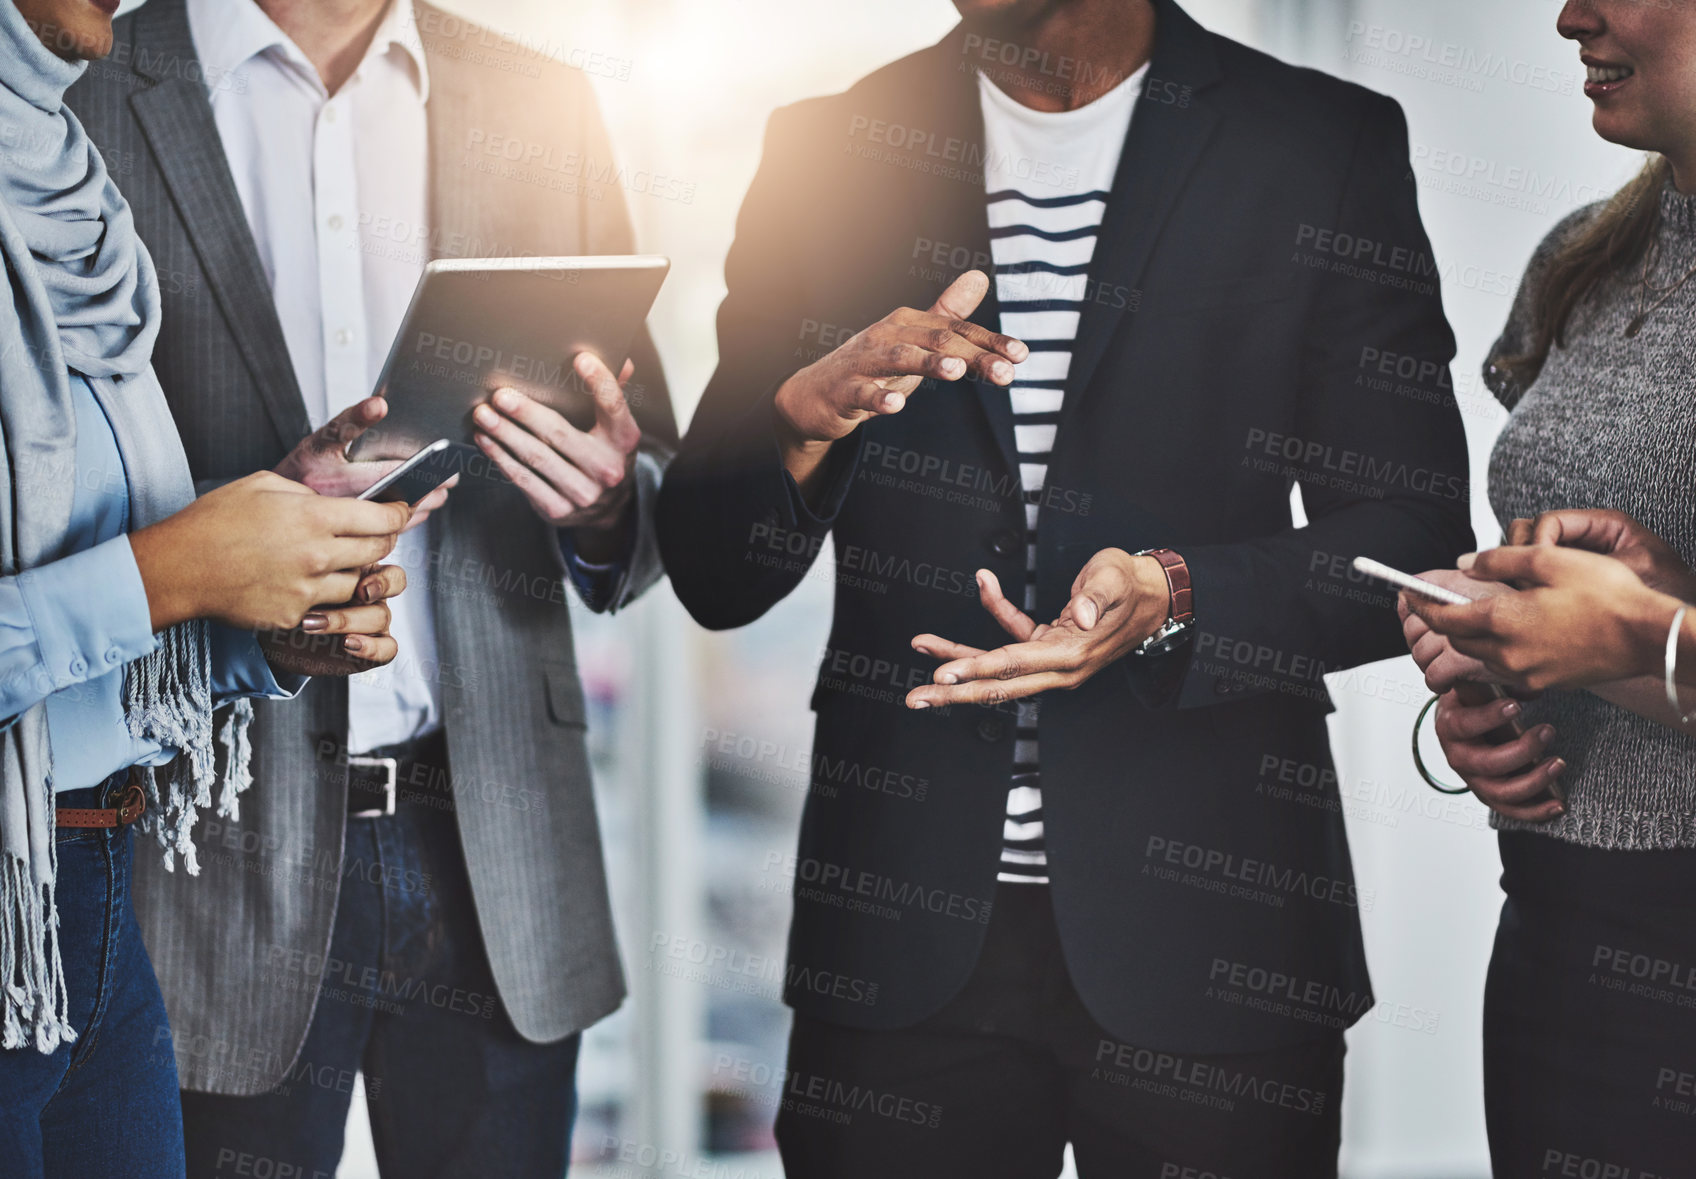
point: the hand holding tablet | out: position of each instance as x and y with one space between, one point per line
478 325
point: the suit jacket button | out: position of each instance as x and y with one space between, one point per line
990 730
1007 544
1222 687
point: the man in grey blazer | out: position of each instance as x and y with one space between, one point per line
414 889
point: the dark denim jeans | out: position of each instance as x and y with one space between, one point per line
107 1104
406 997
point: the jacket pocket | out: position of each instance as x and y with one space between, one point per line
565 695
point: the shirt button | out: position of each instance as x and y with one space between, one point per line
990 730
336 221
1006 544
329 114
344 337
113 655
78 667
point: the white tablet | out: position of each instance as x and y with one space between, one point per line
480 324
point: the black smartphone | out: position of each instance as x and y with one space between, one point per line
419 475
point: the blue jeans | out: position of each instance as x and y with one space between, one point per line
406 997
106 1104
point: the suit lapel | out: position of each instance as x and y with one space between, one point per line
1164 144
475 214
961 217
455 214
176 118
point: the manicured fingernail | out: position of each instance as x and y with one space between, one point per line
486 416
1512 708
892 402
1466 561
506 399
1001 371
1546 733
917 704
947 677
953 367
1018 350
368 592
1559 811
313 623
1557 767
354 644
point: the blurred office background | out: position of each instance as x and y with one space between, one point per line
701 740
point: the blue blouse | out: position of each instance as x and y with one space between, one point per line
68 627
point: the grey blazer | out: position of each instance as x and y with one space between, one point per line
235 947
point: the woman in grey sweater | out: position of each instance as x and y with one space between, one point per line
1590 1007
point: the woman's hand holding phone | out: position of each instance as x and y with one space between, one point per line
1612 534
1513 774
341 640
262 552
1444 667
1517 779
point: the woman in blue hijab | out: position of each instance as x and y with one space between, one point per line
128 612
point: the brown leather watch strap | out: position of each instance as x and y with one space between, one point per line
1178 580
131 806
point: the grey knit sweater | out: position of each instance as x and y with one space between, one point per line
1610 422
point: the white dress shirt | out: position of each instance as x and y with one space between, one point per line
335 191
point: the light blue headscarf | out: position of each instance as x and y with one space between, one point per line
80 294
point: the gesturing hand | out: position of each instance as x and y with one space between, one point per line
320 460
573 478
341 640
872 374
1117 601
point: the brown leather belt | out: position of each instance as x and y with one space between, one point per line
132 804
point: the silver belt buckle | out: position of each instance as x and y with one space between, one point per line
389 766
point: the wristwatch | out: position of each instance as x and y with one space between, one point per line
1181 617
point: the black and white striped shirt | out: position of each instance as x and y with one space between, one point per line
1047 176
